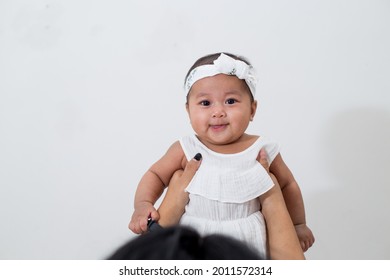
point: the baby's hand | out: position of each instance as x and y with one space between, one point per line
139 220
305 236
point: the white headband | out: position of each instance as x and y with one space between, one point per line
224 64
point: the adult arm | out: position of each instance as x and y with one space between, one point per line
172 207
282 238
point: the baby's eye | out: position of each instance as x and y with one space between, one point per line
205 103
231 101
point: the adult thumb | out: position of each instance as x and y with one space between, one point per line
191 168
263 160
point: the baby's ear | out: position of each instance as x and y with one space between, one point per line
188 109
254 109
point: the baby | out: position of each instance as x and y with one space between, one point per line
226 194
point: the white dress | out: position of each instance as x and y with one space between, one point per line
224 192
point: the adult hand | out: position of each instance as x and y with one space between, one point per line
176 198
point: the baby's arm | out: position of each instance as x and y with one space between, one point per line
293 199
152 186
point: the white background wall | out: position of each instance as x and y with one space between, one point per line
91 95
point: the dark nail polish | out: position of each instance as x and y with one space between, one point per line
198 157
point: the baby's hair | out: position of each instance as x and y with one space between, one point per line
209 59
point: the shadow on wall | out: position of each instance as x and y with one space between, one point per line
352 219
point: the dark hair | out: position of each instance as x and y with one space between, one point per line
183 243
209 59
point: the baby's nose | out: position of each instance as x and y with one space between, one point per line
219 112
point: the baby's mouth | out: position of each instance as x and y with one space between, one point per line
218 127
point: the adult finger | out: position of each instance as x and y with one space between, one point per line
190 169
262 159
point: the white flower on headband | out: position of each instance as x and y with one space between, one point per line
224 64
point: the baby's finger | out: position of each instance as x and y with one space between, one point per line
143 224
131 227
154 215
134 226
303 245
308 245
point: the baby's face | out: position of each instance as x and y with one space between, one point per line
220 109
